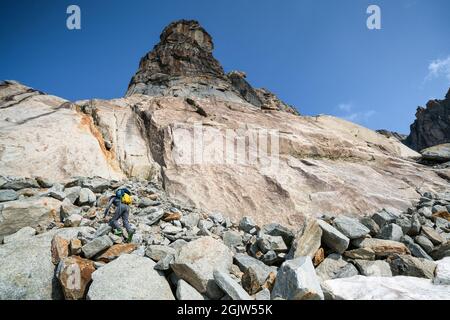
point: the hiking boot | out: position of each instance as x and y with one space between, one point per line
130 236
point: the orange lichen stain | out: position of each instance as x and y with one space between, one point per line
87 124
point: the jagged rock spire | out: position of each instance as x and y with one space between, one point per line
182 64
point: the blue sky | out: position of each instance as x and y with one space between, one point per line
315 54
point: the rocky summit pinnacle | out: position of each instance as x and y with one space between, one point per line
182 65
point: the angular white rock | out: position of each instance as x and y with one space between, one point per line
443 272
384 288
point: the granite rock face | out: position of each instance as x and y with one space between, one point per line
432 125
323 164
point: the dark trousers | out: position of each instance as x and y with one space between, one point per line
122 211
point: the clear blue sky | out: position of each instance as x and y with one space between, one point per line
317 55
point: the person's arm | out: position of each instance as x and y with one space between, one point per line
108 206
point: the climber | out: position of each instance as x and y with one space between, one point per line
121 200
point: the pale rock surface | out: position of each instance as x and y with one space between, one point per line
27 212
186 292
27 271
442 272
22 234
324 164
385 288
297 280
196 262
129 277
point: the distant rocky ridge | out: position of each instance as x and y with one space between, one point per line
392 134
182 65
432 125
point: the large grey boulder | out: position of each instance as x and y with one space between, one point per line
72 193
441 251
244 262
190 220
44 182
405 223
271 243
307 241
275 229
247 224
19 183
416 250
96 184
232 239
28 212
405 265
378 268
297 280
230 286
370 224
360 253
384 288
331 267
384 217
187 292
73 220
153 217
27 271
391 231
333 238
8 195
129 277
438 153
159 252
432 235
425 212
86 197
68 208
442 272
57 192
425 243
96 246
196 262
263 295
255 272
415 225
22 234
350 227
349 270
381 247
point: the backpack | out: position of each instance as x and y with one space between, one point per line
124 196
